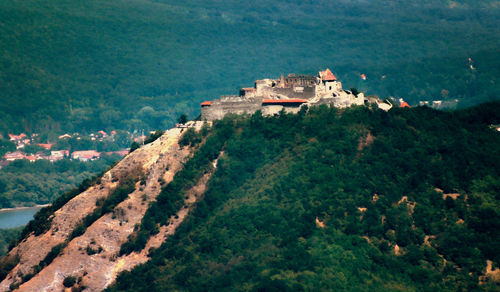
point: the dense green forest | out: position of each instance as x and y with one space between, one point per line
23 183
298 201
70 65
332 199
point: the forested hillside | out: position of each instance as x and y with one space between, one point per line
331 199
70 65
24 183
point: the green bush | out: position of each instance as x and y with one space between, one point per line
190 138
153 137
69 281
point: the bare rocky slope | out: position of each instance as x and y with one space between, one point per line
93 257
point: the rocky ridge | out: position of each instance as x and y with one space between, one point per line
93 257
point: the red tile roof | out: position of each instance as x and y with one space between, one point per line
404 104
279 101
13 155
46 146
17 137
88 154
327 75
206 103
31 157
248 89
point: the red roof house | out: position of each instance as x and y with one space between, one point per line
31 158
47 146
17 137
11 156
404 104
85 155
58 155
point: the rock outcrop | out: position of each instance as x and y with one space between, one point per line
93 257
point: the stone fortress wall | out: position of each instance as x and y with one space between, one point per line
286 93
229 104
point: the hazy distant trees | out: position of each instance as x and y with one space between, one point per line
40 182
116 85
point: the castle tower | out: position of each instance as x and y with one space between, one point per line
282 81
329 81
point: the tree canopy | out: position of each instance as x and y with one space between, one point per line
91 65
335 199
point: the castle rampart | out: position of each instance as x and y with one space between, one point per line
286 93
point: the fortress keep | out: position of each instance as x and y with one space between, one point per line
288 93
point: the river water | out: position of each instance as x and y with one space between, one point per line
17 217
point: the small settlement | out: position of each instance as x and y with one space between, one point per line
22 140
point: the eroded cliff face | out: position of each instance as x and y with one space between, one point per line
93 257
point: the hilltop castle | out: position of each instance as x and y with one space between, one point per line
286 93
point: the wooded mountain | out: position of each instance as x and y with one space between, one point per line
352 199
80 65
332 199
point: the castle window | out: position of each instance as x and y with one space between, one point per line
330 88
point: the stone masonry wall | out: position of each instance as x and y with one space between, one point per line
219 109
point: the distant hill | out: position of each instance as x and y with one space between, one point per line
353 199
76 65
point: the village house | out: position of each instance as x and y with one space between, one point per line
19 140
440 104
404 104
58 155
55 155
31 158
46 146
85 155
65 136
11 156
